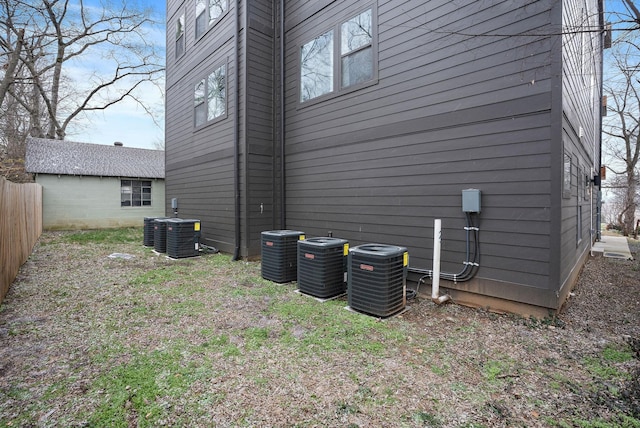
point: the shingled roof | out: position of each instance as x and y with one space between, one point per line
71 158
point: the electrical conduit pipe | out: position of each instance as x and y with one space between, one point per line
435 284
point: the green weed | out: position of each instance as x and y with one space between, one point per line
426 419
156 276
256 337
617 354
129 392
603 369
220 344
617 421
329 326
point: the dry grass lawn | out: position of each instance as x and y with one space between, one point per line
89 340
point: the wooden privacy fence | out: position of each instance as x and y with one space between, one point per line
20 227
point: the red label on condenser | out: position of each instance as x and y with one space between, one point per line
309 256
170 228
366 267
269 244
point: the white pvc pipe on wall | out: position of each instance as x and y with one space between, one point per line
435 285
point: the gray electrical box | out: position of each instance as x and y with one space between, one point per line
471 200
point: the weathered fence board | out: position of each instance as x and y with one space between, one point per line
20 227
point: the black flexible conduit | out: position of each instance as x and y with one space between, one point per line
472 259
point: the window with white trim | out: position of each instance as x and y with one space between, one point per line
325 69
210 97
135 193
208 12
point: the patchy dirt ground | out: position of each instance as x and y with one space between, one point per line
89 340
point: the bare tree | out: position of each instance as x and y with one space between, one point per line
44 43
621 128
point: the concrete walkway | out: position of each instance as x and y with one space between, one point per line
612 246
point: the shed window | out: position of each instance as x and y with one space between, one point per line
208 12
180 36
135 193
325 69
210 97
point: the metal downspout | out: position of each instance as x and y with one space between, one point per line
283 217
236 135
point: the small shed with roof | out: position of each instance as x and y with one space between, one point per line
94 186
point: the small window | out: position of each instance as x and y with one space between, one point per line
208 12
200 107
180 36
216 94
566 188
210 97
316 67
135 193
356 49
578 224
585 183
201 9
326 69
217 8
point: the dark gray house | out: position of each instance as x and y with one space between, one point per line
368 119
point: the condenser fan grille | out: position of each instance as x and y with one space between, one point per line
148 235
279 255
377 279
160 235
183 238
322 263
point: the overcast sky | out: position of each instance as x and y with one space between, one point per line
126 121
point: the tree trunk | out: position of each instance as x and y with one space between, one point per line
10 69
628 225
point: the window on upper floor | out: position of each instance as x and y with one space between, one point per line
356 49
135 193
566 176
316 69
180 36
325 69
210 97
208 12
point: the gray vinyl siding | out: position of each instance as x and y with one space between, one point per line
200 160
260 132
448 112
481 95
580 127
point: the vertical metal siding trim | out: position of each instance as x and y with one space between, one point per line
236 135
283 206
599 136
556 150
